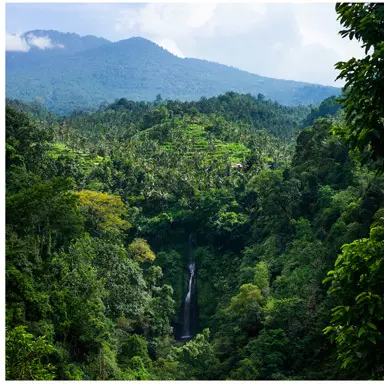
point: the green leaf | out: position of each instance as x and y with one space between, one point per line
361 332
373 326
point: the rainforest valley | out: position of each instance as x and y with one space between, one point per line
226 238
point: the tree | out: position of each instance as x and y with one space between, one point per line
357 324
48 211
127 289
244 309
132 346
268 353
140 251
363 96
158 99
162 308
103 211
260 97
261 277
196 358
26 141
27 357
328 107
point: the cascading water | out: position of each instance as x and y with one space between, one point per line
187 303
187 332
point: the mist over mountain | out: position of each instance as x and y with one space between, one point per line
67 71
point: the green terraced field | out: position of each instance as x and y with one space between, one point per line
193 137
86 161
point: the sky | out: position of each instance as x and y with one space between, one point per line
294 41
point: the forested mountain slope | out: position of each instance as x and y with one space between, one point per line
82 72
228 238
100 207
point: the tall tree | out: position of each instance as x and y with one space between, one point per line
363 96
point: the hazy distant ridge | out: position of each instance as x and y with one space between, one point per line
84 71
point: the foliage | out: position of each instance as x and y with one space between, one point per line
106 210
364 79
26 142
140 251
328 107
27 357
357 280
196 358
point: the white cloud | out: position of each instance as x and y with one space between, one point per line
16 43
199 14
170 46
234 19
297 41
318 24
25 43
314 61
41 42
292 41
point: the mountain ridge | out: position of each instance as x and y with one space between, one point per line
92 70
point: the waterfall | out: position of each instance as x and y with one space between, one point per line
188 299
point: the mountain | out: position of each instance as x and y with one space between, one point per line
83 71
68 42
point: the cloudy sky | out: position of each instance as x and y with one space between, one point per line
290 41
